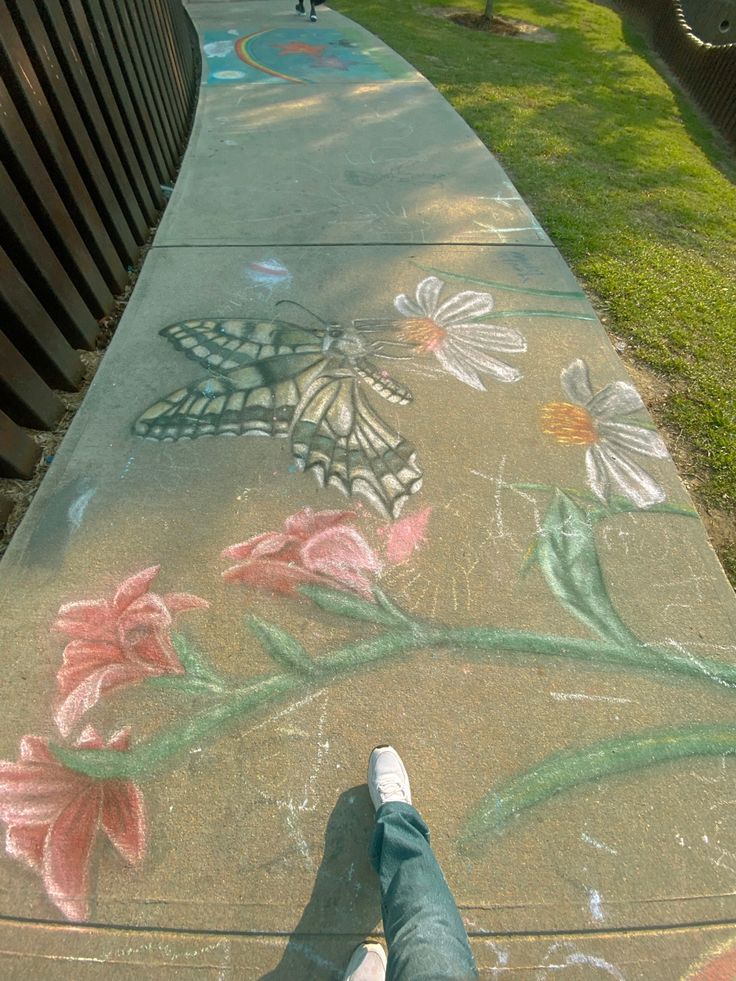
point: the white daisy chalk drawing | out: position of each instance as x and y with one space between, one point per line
450 330
592 420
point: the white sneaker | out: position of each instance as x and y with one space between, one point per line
368 963
387 777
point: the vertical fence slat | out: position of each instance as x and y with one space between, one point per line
33 332
154 42
187 43
163 27
138 85
38 263
136 40
104 73
94 119
706 71
64 107
96 99
41 196
6 505
54 149
18 454
25 394
130 100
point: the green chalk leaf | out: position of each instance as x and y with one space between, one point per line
568 557
352 606
569 769
283 648
194 663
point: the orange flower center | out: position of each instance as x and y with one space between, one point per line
569 424
424 333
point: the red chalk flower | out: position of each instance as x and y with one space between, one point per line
321 548
53 815
404 537
719 965
116 643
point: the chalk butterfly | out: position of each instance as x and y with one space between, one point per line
271 377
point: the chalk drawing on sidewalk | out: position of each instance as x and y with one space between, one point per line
269 273
601 424
564 955
275 378
312 385
291 55
717 965
272 377
61 795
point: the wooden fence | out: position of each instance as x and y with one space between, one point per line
706 71
96 100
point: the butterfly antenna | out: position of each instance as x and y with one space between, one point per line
368 326
305 309
391 357
382 344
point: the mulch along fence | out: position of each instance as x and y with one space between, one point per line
96 101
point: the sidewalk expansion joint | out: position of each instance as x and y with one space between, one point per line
356 245
280 934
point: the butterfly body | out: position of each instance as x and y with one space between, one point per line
275 378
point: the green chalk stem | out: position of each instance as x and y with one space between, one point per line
482 642
148 756
616 504
569 769
560 314
568 294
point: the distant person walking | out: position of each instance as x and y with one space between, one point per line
424 932
312 13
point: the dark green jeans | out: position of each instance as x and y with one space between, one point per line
424 932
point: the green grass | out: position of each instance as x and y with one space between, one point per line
627 180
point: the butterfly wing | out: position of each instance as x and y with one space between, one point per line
273 378
339 436
382 383
254 383
223 345
256 399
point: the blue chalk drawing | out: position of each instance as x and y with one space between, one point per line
291 55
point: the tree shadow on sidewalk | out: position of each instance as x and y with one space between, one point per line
345 904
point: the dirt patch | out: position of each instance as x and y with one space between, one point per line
504 26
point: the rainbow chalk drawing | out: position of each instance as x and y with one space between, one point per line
292 56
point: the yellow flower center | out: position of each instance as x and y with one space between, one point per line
424 333
569 424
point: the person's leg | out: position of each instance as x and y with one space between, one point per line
424 931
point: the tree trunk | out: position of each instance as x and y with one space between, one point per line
488 12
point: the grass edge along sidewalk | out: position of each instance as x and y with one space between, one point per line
631 186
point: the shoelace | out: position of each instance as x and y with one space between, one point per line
391 787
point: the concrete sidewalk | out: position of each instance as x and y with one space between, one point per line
510 586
